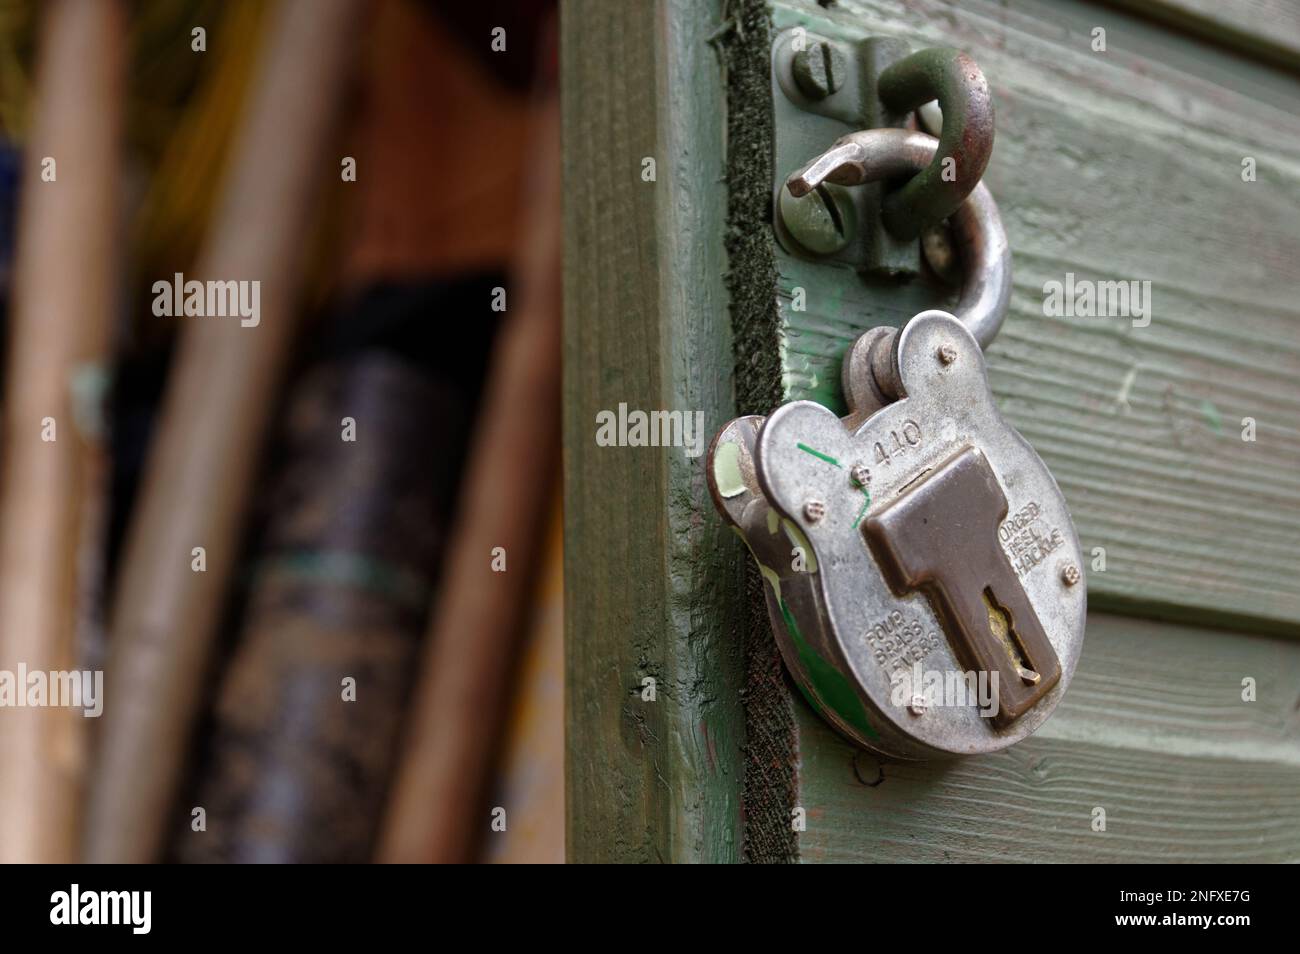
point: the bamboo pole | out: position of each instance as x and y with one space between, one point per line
215 415
435 814
64 294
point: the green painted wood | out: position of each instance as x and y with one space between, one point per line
1268 29
651 579
1123 166
1153 730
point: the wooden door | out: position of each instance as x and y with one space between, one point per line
1172 156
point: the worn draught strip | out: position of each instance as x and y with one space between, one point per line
769 790
213 422
63 300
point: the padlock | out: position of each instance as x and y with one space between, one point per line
923 576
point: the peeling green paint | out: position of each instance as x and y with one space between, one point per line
835 690
726 470
1212 416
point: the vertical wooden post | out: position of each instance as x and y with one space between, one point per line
651 582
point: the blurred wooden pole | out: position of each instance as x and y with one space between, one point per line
64 296
530 780
435 813
214 420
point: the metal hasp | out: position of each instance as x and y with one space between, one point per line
877 154
940 536
824 88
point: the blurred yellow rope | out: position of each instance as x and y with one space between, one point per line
16 41
178 204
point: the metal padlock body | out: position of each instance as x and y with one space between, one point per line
844 625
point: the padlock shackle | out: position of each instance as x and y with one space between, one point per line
878 154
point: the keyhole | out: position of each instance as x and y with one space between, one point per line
1003 628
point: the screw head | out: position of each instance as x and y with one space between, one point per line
947 354
814 510
819 70
1070 574
822 222
860 475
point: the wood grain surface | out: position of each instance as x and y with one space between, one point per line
650 582
1124 165
1264 29
1154 731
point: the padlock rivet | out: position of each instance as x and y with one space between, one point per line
1069 574
814 510
917 706
860 475
947 354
